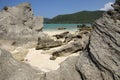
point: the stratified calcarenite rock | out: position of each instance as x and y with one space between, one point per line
19 23
47 43
100 59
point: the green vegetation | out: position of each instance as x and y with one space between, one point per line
79 17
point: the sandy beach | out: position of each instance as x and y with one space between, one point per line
53 32
41 61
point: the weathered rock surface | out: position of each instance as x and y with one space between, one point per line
19 27
101 58
73 43
67 49
67 71
47 43
10 69
19 23
99 61
62 35
20 53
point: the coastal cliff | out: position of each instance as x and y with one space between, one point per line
100 60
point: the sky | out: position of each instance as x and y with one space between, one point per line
52 8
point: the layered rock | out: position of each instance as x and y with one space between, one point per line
100 59
73 43
62 35
47 43
19 23
102 55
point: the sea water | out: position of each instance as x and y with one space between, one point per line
69 27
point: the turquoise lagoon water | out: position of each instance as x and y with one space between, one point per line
69 27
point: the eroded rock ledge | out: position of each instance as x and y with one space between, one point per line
99 61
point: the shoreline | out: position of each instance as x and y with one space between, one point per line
54 32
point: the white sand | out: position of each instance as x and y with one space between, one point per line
42 62
54 32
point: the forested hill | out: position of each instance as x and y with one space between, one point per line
79 17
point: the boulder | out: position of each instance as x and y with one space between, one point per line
67 49
18 23
69 37
73 43
77 44
10 69
20 53
67 71
61 28
47 43
61 35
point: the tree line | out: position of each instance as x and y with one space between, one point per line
79 17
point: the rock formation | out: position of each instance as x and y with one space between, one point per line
73 43
100 59
62 35
47 43
10 69
19 23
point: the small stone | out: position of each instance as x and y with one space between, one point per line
52 58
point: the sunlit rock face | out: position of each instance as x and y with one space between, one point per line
19 23
100 59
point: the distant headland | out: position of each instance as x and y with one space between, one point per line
78 17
